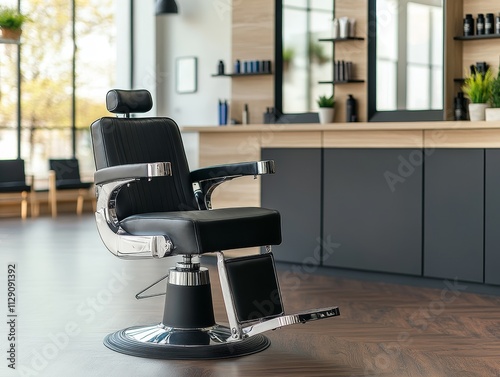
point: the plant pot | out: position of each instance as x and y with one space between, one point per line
493 114
326 115
477 111
13 34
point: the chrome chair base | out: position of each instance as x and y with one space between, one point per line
161 342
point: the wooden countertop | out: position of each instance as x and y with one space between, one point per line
366 126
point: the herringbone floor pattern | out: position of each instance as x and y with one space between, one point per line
67 280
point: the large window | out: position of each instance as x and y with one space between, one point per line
67 64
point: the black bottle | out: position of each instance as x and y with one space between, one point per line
220 69
468 25
480 24
489 24
351 109
460 107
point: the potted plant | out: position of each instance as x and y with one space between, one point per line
326 109
477 87
493 113
11 22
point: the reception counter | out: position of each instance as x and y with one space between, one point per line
420 199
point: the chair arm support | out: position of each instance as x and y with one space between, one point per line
109 182
233 170
206 180
132 171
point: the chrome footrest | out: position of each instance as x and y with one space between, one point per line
291 319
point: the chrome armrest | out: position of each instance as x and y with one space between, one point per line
132 171
109 182
206 180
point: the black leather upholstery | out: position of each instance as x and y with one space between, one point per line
128 101
207 231
12 176
166 205
121 141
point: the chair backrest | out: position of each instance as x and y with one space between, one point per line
66 169
120 141
12 172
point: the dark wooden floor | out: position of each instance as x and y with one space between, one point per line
72 292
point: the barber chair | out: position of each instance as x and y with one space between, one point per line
149 205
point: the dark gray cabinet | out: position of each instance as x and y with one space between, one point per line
295 190
373 209
453 214
492 217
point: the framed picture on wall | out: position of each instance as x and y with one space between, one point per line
186 74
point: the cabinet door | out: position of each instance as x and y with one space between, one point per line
453 214
295 190
373 209
492 217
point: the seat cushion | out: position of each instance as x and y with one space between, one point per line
14 187
197 232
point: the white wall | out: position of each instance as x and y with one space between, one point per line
201 29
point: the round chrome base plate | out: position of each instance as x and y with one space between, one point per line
161 342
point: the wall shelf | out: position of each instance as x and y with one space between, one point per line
476 37
341 39
340 82
242 74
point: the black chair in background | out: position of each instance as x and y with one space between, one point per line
14 186
65 183
149 205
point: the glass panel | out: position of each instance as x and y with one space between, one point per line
322 5
95 60
8 101
295 3
437 36
418 33
386 85
387 55
409 54
417 88
46 64
8 143
437 88
295 60
306 61
47 69
320 56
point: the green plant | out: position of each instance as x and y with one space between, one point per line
477 87
317 53
11 18
288 54
325 101
495 91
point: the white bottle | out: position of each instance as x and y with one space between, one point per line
335 31
344 27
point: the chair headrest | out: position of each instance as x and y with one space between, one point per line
121 101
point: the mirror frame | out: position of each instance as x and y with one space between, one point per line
395 115
309 117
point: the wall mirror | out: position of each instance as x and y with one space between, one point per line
186 75
301 59
405 55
